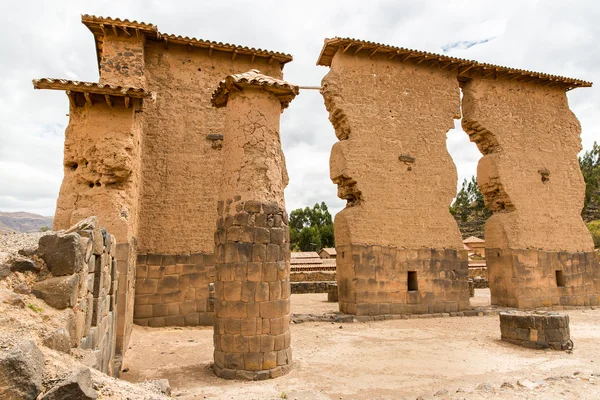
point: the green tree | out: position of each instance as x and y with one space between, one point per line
590 168
469 209
311 228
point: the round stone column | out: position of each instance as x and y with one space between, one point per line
252 254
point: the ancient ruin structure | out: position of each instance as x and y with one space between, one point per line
538 250
536 330
399 251
143 153
252 251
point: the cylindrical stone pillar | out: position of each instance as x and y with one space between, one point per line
252 290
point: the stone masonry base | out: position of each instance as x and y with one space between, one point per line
528 279
174 290
252 291
381 280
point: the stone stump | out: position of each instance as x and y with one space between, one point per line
536 330
252 289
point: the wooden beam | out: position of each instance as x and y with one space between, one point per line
347 47
137 32
252 59
465 70
271 59
445 65
422 59
189 47
71 97
406 57
358 49
394 54
102 29
127 100
115 31
434 63
374 51
210 50
492 71
125 30
166 39
88 99
233 55
107 98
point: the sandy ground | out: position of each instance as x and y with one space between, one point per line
441 358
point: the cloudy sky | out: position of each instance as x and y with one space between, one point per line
46 39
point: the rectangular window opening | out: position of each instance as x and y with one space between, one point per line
413 283
560 278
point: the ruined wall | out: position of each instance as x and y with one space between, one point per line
252 251
83 278
531 180
392 166
101 178
182 173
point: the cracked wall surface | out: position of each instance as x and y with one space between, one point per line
181 164
531 180
391 162
392 166
252 252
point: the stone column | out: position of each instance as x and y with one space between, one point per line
252 290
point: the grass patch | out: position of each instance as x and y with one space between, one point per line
34 308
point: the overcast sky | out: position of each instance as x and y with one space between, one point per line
47 39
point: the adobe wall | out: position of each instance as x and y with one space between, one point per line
122 60
181 175
531 180
252 252
392 166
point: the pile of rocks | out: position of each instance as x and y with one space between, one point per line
58 306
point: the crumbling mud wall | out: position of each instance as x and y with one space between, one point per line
182 160
399 249
102 178
538 250
252 251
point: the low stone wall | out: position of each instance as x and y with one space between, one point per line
84 278
478 271
312 276
332 292
538 330
310 287
174 290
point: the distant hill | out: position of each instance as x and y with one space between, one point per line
11 222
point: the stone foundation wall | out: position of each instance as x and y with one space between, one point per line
310 287
535 278
538 330
374 280
174 289
84 278
312 276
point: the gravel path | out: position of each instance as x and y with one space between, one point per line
12 242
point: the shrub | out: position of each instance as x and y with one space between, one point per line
594 227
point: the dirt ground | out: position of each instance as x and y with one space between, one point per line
440 358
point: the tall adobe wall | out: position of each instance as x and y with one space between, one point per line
538 250
392 166
181 176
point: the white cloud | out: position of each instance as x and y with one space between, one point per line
42 38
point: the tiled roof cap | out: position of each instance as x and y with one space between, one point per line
464 68
284 91
89 87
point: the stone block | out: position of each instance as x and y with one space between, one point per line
62 253
59 292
